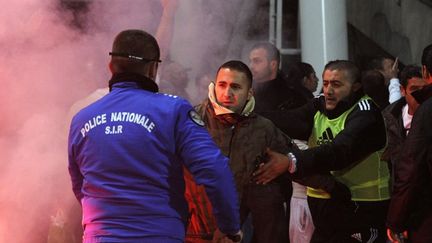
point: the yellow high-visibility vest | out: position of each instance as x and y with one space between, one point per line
367 180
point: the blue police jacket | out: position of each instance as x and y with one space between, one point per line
126 157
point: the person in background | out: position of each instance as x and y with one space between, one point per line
410 210
274 92
302 76
398 116
115 142
272 89
388 67
202 82
243 136
174 79
373 85
302 79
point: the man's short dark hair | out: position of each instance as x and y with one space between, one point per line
137 43
351 69
427 58
298 70
272 52
238 66
409 72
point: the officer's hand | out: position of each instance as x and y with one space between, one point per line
276 165
396 237
219 237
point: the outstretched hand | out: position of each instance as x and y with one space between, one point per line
169 4
276 165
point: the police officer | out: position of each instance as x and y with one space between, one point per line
127 152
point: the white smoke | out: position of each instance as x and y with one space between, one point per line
47 64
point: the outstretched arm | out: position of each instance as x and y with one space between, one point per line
165 29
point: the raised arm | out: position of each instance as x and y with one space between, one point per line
165 29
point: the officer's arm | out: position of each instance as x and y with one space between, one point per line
74 171
209 167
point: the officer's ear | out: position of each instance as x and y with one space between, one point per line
111 67
152 72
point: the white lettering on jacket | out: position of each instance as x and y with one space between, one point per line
122 117
92 123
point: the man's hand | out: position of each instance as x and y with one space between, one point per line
169 4
220 237
396 237
277 164
395 68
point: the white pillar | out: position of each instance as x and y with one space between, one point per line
323 31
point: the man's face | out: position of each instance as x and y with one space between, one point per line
336 86
232 89
311 82
260 65
413 84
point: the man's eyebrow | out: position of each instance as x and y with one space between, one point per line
332 80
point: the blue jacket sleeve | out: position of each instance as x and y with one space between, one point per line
74 171
209 167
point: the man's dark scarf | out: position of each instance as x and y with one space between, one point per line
142 81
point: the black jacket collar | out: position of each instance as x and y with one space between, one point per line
142 81
342 106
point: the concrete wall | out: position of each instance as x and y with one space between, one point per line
400 27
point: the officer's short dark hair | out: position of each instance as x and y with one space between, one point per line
137 43
273 52
238 66
409 72
351 69
427 58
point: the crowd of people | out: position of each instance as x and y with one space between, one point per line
259 158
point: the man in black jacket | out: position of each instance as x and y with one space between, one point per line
273 92
398 115
271 87
346 135
411 204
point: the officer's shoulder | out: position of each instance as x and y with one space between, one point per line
168 96
165 97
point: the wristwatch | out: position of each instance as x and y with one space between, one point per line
293 163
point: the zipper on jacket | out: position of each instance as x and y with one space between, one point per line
233 128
